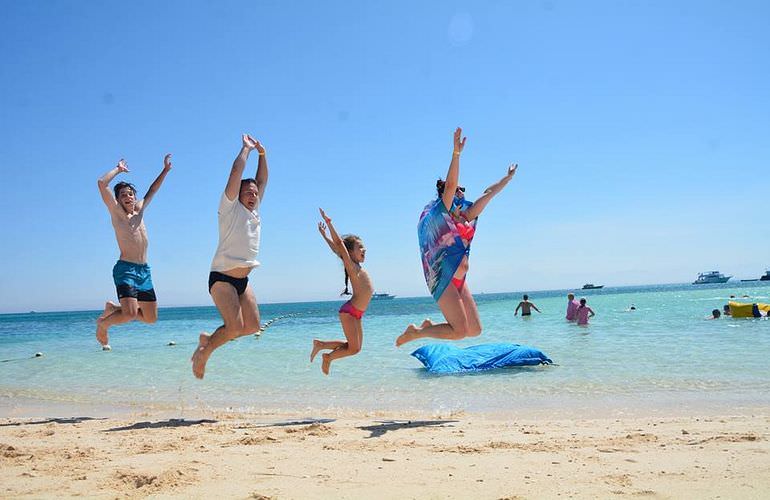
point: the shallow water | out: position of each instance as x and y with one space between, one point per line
664 353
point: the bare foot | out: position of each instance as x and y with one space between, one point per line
426 323
407 336
200 356
316 347
326 364
109 308
101 332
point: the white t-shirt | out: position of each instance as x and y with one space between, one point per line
239 230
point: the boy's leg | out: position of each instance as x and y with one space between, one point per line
128 310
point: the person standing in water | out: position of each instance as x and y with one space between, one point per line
131 273
445 231
583 313
353 253
572 306
236 255
526 307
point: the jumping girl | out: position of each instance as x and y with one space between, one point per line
352 252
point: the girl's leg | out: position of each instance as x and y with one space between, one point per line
321 345
456 327
351 327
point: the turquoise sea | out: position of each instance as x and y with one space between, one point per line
663 355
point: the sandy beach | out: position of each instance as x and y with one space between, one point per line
385 456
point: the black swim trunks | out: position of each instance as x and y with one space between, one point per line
238 283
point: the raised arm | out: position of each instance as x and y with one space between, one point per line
453 174
104 184
341 250
489 193
322 230
233 188
261 176
156 183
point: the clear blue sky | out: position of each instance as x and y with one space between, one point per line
642 131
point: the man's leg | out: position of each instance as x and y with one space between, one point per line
228 303
249 312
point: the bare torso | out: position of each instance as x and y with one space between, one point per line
362 290
526 307
131 234
238 272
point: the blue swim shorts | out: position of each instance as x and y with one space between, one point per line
134 281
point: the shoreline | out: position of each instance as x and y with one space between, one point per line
386 455
640 405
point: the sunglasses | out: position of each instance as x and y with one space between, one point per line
459 188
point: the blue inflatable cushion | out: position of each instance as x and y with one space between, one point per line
447 358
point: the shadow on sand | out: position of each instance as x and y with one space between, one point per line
71 420
393 425
172 422
287 423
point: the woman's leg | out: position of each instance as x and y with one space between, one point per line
472 312
456 327
351 327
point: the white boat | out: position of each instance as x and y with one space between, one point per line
591 286
383 296
711 277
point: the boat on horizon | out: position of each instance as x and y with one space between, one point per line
383 296
711 277
591 286
766 276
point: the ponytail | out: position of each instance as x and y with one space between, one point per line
350 241
347 278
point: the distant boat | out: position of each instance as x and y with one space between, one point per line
766 276
752 279
591 286
383 296
711 277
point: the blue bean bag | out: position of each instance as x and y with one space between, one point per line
447 358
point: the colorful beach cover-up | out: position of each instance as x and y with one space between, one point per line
441 247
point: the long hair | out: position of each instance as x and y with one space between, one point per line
350 241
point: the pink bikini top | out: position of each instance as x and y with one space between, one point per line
465 230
